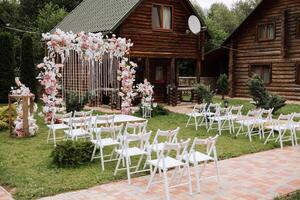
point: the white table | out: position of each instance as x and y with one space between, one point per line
117 120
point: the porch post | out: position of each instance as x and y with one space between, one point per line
231 69
173 91
147 68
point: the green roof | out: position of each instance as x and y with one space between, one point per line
97 15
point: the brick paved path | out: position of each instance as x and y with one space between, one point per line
4 195
260 176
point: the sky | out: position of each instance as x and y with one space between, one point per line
207 3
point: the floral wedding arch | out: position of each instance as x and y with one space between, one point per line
94 62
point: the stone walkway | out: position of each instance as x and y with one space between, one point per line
260 176
4 195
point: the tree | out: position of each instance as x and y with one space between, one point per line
50 15
7 64
27 68
223 85
262 97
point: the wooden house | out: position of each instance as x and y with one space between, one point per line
164 48
267 43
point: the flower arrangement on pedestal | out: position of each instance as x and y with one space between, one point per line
126 74
146 89
22 90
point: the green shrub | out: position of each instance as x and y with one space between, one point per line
27 68
156 111
72 154
74 102
7 65
262 97
223 85
4 117
204 93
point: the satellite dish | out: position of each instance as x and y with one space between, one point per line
194 24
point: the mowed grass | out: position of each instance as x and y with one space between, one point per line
25 164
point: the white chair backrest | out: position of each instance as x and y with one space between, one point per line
79 114
199 108
296 117
222 111
210 144
213 107
136 128
169 136
113 132
69 117
108 120
267 114
181 149
141 141
288 119
236 110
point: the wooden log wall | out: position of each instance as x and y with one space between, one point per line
282 53
163 43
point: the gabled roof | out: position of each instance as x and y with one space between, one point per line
101 15
245 21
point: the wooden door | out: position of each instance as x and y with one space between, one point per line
158 77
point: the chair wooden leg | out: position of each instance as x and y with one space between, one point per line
118 164
93 154
102 158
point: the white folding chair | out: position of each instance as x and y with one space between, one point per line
133 146
235 113
211 109
162 137
77 118
222 118
296 126
106 137
197 115
282 125
252 121
166 161
196 158
54 127
266 119
79 128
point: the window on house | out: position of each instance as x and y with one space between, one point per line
266 32
298 73
162 17
263 71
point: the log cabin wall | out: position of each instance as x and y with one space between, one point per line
152 43
282 53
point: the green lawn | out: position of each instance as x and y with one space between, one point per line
26 164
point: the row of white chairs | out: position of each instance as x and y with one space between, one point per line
256 122
124 143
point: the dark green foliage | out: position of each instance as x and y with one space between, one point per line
223 85
204 93
27 67
156 111
7 64
262 97
72 154
291 196
74 102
